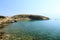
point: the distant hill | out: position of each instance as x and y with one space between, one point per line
2 17
4 20
29 17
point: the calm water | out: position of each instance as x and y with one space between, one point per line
37 30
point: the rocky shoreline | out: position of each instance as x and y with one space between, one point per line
4 20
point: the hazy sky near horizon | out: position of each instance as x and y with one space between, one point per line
50 8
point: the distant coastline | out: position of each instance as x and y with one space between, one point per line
4 20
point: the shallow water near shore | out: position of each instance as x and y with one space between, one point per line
34 30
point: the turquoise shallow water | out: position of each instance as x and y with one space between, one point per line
38 30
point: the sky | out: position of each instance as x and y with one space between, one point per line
49 8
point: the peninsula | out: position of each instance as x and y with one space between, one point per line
4 20
29 17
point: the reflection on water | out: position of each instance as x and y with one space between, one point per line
34 30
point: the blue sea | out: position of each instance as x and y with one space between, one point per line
36 30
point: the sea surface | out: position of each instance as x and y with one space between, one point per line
35 30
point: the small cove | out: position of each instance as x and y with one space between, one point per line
35 30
